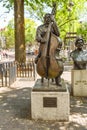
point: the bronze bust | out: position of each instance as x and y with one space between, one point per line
79 56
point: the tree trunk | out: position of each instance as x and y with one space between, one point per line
20 53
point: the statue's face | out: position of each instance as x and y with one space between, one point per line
47 18
79 44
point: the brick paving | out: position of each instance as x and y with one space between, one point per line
15 109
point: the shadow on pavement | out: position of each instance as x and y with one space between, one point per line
15 113
18 101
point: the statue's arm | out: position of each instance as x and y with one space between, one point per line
39 36
55 29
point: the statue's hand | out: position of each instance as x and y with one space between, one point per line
43 40
52 18
36 60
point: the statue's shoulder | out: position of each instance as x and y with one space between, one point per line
72 53
40 27
85 51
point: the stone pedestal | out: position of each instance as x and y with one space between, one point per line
79 82
50 102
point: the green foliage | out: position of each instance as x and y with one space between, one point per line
8 4
9 34
82 30
30 31
64 17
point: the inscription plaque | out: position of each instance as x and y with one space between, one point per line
49 102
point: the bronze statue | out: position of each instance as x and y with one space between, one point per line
79 56
48 64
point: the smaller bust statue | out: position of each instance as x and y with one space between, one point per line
79 56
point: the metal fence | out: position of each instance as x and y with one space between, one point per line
7 73
26 70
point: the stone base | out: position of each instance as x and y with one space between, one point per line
50 102
79 82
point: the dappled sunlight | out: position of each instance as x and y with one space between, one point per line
79 112
22 83
76 126
1 98
18 84
66 76
12 96
17 103
4 104
7 110
15 109
4 89
79 119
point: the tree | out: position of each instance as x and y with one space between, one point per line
20 54
30 32
65 16
62 18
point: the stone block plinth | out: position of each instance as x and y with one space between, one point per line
79 82
50 102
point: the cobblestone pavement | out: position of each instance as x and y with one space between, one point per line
15 109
